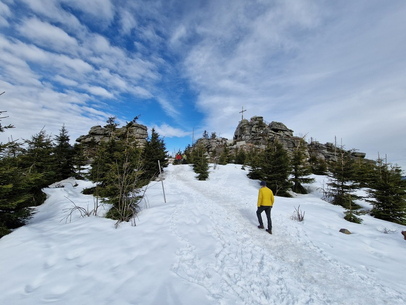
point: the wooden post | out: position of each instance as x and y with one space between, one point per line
162 181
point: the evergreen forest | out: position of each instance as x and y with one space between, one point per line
121 168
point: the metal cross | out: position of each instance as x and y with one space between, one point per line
242 113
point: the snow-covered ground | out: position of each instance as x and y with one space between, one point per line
202 247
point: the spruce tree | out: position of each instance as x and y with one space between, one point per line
214 157
188 155
16 195
364 172
103 155
153 152
240 156
300 170
79 161
117 168
18 188
273 166
23 173
389 194
124 183
224 156
15 186
106 154
39 157
63 155
318 166
253 159
3 128
200 162
111 125
342 184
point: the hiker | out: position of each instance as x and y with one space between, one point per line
265 203
178 158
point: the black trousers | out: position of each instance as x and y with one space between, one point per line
268 216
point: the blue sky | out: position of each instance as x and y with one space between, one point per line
326 69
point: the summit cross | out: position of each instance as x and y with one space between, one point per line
242 113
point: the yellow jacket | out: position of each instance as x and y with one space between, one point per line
265 197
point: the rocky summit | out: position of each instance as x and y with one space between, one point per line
102 134
255 133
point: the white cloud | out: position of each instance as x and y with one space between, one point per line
30 109
319 67
167 131
99 91
168 107
76 64
3 22
100 45
48 35
87 67
4 9
25 54
179 33
66 81
140 92
52 10
128 22
113 79
315 67
4 13
99 9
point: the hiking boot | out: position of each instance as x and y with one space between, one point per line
269 231
260 227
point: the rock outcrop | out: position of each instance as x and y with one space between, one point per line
101 134
256 133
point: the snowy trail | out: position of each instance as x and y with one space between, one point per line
245 265
201 247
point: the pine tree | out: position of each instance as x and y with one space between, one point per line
300 170
277 173
117 168
364 172
79 160
342 184
224 156
200 162
106 154
124 183
63 155
18 191
214 157
153 152
21 179
389 194
39 158
188 155
111 125
240 156
15 186
272 166
3 128
253 159
318 166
